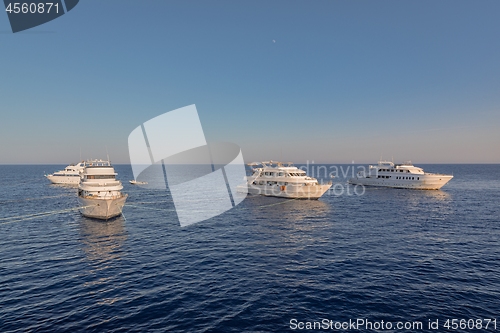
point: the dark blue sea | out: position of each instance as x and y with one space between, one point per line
268 265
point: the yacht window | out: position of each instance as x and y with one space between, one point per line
418 178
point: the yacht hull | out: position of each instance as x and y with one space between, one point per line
313 192
103 209
69 180
426 182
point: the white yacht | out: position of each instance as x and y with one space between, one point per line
403 175
70 175
99 192
283 180
135 182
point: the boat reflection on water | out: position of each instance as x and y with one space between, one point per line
102 240
102 243
287 210
287 228
437 195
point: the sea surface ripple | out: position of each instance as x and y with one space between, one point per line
387 254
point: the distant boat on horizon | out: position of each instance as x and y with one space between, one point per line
70 175
405 175
135 182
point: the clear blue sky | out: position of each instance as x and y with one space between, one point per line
342 80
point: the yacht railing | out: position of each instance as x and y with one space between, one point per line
100 184
102 196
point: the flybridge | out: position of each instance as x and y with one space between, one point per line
272 164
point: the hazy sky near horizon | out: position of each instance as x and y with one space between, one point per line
329 81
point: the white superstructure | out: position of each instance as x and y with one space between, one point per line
284 180
70 175
99 192
404 175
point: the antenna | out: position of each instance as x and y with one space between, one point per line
107 154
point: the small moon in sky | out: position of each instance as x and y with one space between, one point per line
274 41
